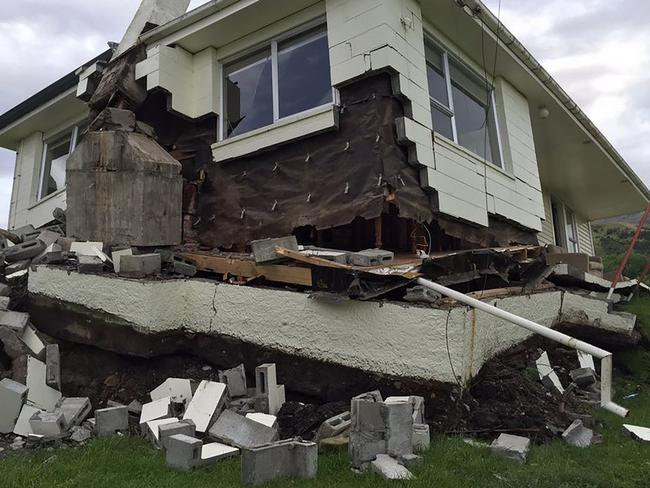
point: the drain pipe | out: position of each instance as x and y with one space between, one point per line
566 340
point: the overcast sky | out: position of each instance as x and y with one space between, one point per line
596 49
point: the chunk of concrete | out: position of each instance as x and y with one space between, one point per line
583 377
22 427
586 360
39 393
266 387
12 398
117 257
114 119
547 374
180 391
5 290
53 254
578 435
86 248
15 270
235 378
422 294
13 346
511 447
53 366
16 321
140 266
399 425
215 451
389 469
90 265
421 437
165 431
32 341
109 421
371 257
290 459
368 429
4 303
207 403
156 410
152 428
636 432
48 237
65 243
334 426
264 249
75 410
238 431
24 251
264 419
80 434
48 424
183 268
183 452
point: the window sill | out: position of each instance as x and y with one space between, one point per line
297 126
46 199
466 153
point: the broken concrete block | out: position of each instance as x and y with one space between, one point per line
53 366
109 421
53 254
236 430
165 431
48 237
135 408
65 243
583 377
511 447
75 410
410 460
13 346
32 341
266 387
48 423
399 426
183 268
15 270
80 434
16 321
178 389
207 403
12 398
5 290
368 429
264 249
636 432
86 248
290 459
371 257
235 378
117 257
140 266
264 419
156 410
421 437
24 251
4 303
389 469
24 230
114 119
183 452
39 393
422 294
90 265
334 426
371 396
22 427
578 435
151 429
586 360
547 374
215 451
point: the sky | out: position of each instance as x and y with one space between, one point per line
596 49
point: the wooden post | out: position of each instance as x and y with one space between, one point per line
378 232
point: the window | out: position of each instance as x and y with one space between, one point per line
573 244
565 227
286 78
462 105
55 156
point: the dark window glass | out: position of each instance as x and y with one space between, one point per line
442 122
436 75
304 73
249 94
56 156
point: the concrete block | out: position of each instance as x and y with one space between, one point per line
334 426
24 251
14 269
511 447
48 237
266 387
12 398
215 451
39 394
53 366
75 410
264 419
578 435
178 389
48 423
135 408
586 360
636 432
80 434
156 410
341 257
117 256
86 248
13 346
22 427
108 421
165 431
140 266
4 303
421 294
374 396
583 377
183 452
416 401
65 243
207 403
235 378
290 459
90 265
33 342
22 231
264 250
368 429
421 437
16 321
151 429
183 268
5 290
114 119
53 254
399 424
547 374
389 469
371 257
238 431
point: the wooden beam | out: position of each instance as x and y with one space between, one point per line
293 275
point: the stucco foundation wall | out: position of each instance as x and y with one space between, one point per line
383 338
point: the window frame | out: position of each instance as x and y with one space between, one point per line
446 57
74 140
571 223
316 25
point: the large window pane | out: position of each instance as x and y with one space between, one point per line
56 156
436 75
249 94
304 73
442 122
472 124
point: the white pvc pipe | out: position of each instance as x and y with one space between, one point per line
564 339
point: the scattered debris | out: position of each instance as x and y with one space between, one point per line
235 430
389 469
578 435
289 459
583 377
637 433
12 398
109 421
269 395
235 378
547 374
208 401
512 447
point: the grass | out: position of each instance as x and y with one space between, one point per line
130 462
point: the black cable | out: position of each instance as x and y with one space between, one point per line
451 364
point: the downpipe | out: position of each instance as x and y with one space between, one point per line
564 339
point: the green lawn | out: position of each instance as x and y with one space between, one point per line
130 462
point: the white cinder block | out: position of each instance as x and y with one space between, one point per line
180 391
12 398
152 428
264 419
22 427
216 451
86 248
39 393
32 341
207 402
156 410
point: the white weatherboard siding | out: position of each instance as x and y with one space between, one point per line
585 239
547 235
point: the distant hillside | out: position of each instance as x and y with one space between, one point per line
612 238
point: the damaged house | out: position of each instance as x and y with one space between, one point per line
395 140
